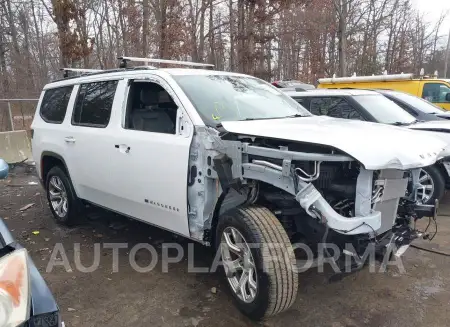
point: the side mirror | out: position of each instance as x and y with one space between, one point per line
447 97
4 169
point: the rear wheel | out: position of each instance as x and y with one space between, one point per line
433 185
258 261
61 197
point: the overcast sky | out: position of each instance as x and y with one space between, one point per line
433 9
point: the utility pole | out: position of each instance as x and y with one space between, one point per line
447 54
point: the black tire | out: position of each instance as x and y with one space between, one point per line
74 207
439 183
278 282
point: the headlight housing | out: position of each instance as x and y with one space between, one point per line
14 289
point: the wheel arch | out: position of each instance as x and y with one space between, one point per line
227 201
444 173
49 160
215 219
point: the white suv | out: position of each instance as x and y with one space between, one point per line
229 161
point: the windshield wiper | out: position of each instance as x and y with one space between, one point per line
293 116
261 118
266 118
399 123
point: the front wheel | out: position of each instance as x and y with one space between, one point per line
258 261
433 185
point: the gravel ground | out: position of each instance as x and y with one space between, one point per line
419 296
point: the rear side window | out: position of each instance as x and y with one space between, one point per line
54 104
94 103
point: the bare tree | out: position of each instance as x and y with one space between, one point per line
271 39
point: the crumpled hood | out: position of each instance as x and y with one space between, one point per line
376 146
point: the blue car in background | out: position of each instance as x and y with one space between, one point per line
25 299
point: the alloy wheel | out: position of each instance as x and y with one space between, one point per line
58 196
239 265
425 193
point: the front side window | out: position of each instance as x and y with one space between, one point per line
94 103
334 107
435 92
384 110
220 98
54 104
150 109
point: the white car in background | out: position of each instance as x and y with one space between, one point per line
366 105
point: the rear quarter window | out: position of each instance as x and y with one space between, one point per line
54 104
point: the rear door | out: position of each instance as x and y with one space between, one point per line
86 140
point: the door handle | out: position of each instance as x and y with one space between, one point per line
69 139
123 148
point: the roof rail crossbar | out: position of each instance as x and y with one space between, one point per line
124 60
78 70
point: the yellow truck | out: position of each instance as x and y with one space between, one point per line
434 90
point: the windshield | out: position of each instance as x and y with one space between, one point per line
418 103
220 98
384 110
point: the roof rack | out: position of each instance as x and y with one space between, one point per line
125 60
373 78
91 72
79 70
376 78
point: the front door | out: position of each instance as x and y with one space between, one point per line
149 167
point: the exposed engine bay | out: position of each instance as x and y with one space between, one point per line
338 184
314 190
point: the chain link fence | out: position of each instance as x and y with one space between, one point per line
17 114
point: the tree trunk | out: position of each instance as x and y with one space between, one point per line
42 65
241 49
342 35
232 37
123 28
3 69
163 30
145 29
26 45
212 55
201 45
447 55
12 27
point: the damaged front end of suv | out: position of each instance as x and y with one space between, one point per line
263 171
304 184
317 192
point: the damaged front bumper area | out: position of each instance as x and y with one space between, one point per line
378 193
316 206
